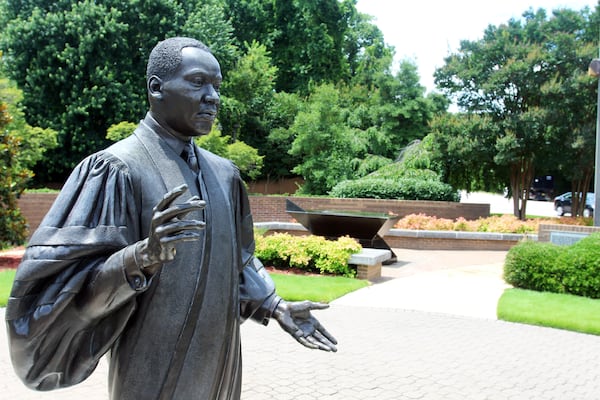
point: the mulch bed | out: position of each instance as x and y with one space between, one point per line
10 259
290 271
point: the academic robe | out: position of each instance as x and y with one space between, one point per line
79 292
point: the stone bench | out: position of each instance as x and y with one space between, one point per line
368 262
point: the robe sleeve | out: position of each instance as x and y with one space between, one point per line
258 298
75 288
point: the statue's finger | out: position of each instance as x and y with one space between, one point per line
325 341
170 196
320 344
296 306
305 342
178 211
318 306
319 328
187 236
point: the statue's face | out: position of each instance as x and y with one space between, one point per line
190 99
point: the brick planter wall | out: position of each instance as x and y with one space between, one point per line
34 207
425 240
449 240
272 208
545 230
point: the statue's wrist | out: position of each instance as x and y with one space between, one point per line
143 260
280 309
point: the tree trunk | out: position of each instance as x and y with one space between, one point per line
521 177
579 189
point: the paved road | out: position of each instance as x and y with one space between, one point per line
391 349
501 205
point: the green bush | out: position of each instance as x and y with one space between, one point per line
532 265
406 188
547 267
13 178
310 253
581 265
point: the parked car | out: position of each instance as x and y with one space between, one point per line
542 188
562 204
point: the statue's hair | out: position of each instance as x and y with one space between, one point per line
166 56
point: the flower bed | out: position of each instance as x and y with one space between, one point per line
499 224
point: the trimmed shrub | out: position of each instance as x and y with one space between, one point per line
547 267
403 189
581 265
310 253
532 265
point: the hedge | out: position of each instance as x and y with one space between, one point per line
548 267
405 188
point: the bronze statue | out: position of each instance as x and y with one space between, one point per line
150 259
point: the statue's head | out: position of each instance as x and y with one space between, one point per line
183 80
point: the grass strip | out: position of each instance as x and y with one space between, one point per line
563 311
315 288
290 287
7 277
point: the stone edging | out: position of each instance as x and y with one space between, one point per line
461 235
436 239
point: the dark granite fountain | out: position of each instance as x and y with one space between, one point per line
367 227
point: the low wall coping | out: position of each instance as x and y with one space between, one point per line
280 226
368 256
413 233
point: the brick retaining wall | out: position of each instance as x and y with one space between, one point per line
545 230
34 207
272 208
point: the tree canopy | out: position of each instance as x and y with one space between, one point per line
513 80
81 66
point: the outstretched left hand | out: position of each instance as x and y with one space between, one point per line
296 319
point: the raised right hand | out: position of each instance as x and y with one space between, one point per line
169 228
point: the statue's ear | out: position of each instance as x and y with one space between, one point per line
155 85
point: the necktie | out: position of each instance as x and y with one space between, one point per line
189 155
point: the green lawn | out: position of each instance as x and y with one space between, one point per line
6 279
290 287
563 311
315 288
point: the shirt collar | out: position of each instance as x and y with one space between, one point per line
173 141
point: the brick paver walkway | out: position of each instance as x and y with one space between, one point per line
389 352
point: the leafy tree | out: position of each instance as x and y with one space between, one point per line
568 96
120 131
207 21
403 109
366 54
81 69
310 41
278 162
325 144
12 183
21 146
248 95
462 149
501 76
245 157
309 38
82 64
33 142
